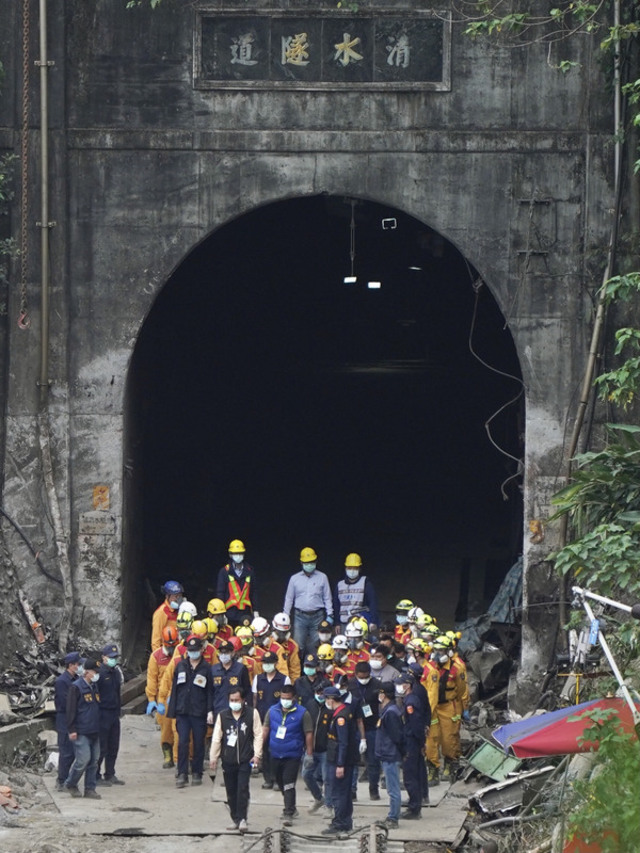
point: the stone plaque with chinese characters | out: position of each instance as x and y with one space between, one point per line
323 51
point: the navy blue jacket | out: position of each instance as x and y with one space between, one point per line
83 708
224 680
60 692
342 737
390 734
109 685
192 690
268 692
415 718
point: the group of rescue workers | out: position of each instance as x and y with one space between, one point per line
316 689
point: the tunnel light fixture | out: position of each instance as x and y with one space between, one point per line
350 279
416 269
374 285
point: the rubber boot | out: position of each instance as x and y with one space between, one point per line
167 752
434 776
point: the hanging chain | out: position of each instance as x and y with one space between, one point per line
24 321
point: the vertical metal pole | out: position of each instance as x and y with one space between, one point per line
44 206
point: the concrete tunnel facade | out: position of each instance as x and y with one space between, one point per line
147 166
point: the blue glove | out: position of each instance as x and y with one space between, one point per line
150 707
330 620
161 708
465 715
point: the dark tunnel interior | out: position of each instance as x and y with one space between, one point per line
270 401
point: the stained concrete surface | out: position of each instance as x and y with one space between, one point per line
150 814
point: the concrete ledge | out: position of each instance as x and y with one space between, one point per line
13 734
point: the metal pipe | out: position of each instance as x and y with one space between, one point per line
584 593
43 384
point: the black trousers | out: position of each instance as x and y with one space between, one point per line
236 782
285 771
187 725
109 741
341 796
412 775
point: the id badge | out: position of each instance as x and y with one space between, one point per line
182 677
232 738
281 732
366 711
200 681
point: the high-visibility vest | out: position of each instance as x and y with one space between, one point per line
238 597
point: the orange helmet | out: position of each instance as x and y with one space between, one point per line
170 635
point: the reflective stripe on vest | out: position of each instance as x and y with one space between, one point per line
237 597
350 596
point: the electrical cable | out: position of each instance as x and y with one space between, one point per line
477 285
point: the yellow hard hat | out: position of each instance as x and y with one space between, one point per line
325 652
361 622
404 605
236 547
199 629
308 555
212 626
184 620
216 607
245 633
353 561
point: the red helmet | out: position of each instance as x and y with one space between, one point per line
236 642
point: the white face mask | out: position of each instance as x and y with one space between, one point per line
352 574
376 664
235 706
399 689
268 667
308 567
237 558
286 703
364 680
95 677
401 620
225 658
324 638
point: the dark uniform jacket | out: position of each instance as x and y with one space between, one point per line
240 733
305 686
83 708
416 718
390 734
342 737
225 680
192 690
365 701
268 692
61 691
109 685
321 716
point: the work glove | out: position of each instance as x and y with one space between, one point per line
307 762
160 708
465 716
363 747
151 706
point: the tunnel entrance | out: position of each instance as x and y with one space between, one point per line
269 400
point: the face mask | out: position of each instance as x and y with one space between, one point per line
174 605
224 658
308 567
364 680
95 677
194 655
310 671
80 670
352 574
112 661
324 638
268 667
283 636
286 703
237 558
354 643
235 706
401 620
168 650
381 698
376 664
443 658
319 699
411 659
399 689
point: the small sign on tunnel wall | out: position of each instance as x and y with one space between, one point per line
101 498
323 51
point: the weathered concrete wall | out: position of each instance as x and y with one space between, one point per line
511 165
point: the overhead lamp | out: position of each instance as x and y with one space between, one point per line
374 285
350 279
416 269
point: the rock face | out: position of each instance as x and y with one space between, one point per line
153 146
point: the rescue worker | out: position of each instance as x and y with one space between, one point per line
156 667
184 621
326 664
446 686
227 674
380 665
267 687
364 690
166 613
244 653
289 729
217 611
413 619
264 643
356 652
402 612
315 774
200 629
290 649
355 595
110 681
83 725
342 758
416 725
390 748
237 740
457 658
236 587
60 692
191 704
340 648
309 680
308 598
188 607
